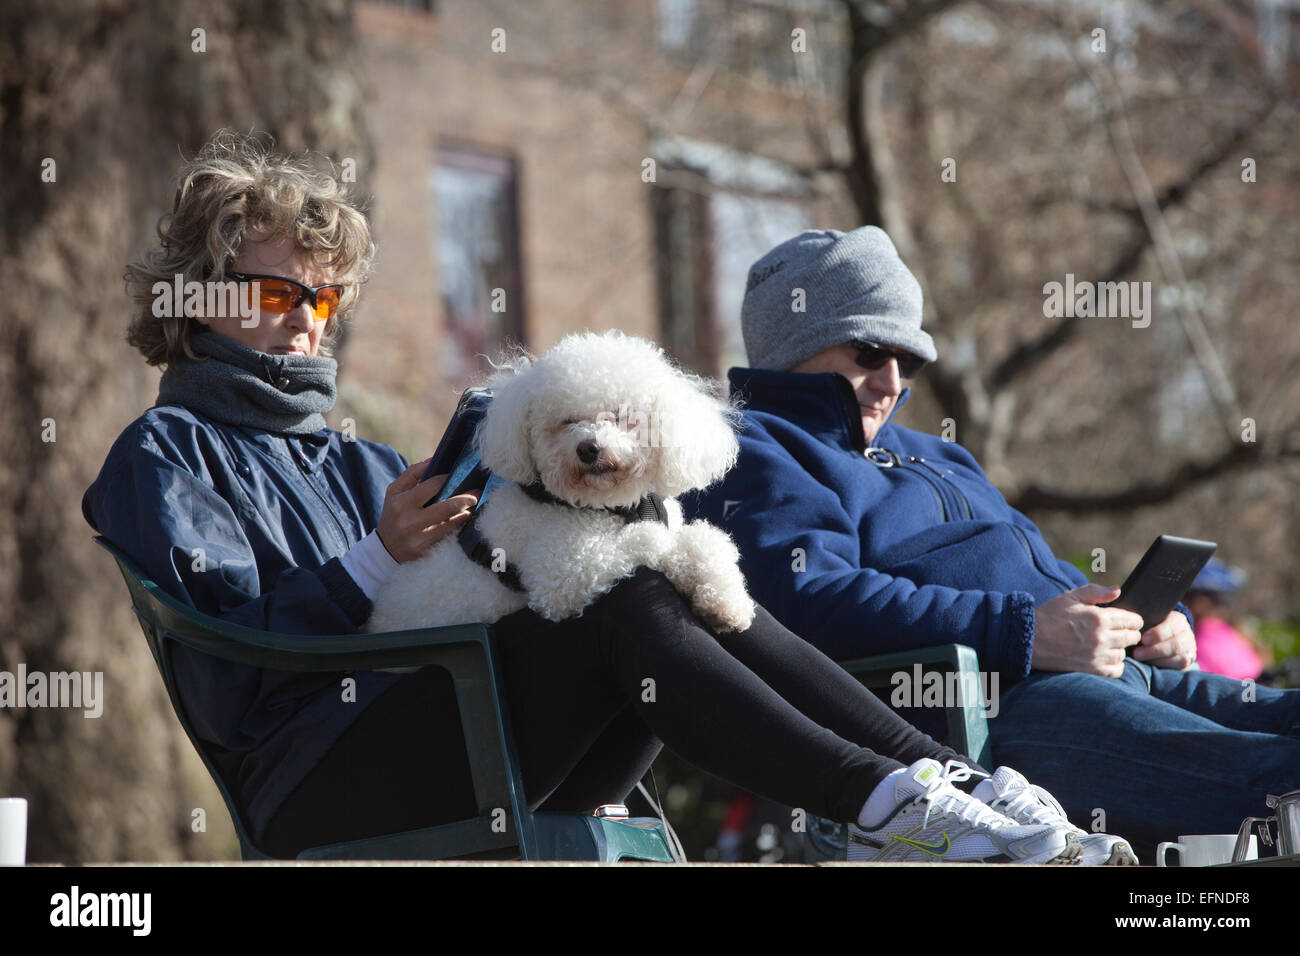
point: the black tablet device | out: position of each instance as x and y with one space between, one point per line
1162 577
455 456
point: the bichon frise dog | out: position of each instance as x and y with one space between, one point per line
594 439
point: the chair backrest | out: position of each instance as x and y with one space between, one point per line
466 651
149 612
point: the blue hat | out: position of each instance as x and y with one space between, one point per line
1219 578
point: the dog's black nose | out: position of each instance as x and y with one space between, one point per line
588 451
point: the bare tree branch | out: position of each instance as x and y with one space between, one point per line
1173 193
1115 115
873 27
1177 191
1028 354
861 172
886 23
817 116
1186 476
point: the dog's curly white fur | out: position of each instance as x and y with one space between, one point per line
601 420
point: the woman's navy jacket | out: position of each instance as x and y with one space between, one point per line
248 526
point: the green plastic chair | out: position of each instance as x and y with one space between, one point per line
968 730
968 727
469 654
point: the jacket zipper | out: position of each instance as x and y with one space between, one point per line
943 504
889 459
853 418
884 458
330 507
961 499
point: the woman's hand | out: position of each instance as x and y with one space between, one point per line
408 530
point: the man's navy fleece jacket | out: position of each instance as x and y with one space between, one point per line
863 552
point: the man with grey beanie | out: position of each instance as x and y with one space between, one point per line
865 537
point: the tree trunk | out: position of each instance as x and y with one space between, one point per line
105 98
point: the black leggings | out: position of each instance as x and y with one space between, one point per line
591 699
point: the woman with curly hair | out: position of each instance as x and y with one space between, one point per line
234 496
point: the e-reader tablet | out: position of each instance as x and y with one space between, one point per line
1162 577
455 456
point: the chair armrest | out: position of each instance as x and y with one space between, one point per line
210 635
967 725
872 669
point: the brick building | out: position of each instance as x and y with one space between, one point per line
565 165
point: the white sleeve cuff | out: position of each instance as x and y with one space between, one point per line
369 564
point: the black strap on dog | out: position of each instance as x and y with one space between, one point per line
649 508
479 550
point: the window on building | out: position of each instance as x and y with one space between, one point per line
716 212
474 195
684 238
676 20
744 228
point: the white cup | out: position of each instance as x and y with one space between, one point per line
13 831
1206 849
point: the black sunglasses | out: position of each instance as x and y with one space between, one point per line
280 294
873 357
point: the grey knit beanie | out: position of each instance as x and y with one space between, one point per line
851 286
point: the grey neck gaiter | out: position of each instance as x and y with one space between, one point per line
238 385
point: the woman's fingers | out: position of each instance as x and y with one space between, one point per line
402 521
407 528
409 478
433 485
458 506
446 517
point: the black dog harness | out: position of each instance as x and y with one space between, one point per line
479 550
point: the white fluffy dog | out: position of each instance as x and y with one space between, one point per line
598 427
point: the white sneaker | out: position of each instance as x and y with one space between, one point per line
1010 793
934 821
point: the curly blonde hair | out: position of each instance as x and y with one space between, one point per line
235 189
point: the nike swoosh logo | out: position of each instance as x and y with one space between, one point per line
935 849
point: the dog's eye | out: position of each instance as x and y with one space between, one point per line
570 421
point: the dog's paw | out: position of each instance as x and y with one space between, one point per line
708 543
723 612
644 542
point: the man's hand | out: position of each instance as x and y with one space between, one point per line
409 530
1169 644
1071 633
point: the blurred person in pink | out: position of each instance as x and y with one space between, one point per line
1220 647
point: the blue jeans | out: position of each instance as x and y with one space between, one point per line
1160 752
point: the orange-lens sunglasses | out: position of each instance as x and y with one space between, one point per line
280 295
